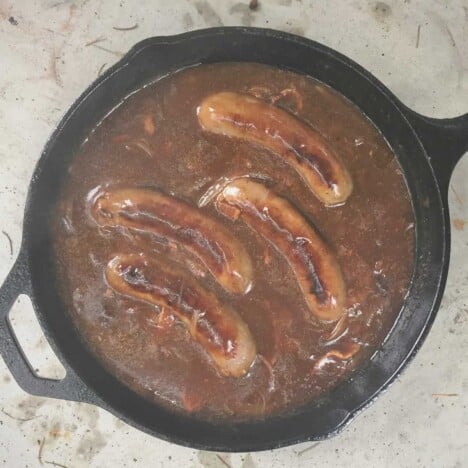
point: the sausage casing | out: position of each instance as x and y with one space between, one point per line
307 151
168 218
216 327
311 260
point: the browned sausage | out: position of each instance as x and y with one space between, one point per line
314 265
307 151
216 327
169 218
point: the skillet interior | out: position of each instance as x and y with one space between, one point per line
157 57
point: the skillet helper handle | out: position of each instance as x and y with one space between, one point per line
71 387
445 140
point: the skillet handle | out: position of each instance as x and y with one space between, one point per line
445 141
71 387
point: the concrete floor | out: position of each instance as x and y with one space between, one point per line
418 48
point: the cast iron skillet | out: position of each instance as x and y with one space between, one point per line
427 150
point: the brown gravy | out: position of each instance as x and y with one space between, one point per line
154 140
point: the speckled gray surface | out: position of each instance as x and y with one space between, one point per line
418 48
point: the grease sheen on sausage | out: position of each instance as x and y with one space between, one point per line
307 151
217 328
312 262
172 219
